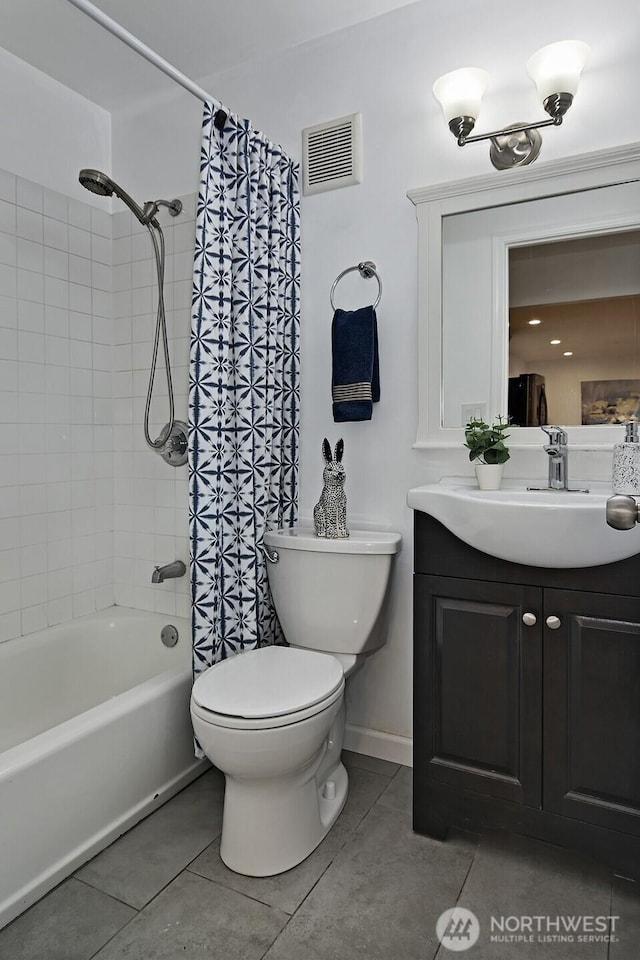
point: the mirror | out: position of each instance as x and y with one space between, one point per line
574 331
561 241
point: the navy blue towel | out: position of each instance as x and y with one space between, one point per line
355 381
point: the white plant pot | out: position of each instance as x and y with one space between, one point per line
489 475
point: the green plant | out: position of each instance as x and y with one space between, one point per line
487 443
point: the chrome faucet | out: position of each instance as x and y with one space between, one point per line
558 451
175 569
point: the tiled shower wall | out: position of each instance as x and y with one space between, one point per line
86 509
56 453
150 495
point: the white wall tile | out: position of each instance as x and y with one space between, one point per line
9 596
30 286
29 224
100 222
8 407
80 214
29 195
33 618
8 343
56 263
9 374
33 560
8 280
56 234
31 315
100 249
8 249
56 292
55 205
7 217
8 186
56 321
79 269
29 255
79 242
59 611
9 626
8 311
96 510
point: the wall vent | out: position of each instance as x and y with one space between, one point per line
332 154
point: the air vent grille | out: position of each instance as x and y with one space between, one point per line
332 154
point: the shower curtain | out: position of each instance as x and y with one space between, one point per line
243 385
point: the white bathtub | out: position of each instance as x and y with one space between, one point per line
95 733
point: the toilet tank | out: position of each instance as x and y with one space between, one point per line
331 595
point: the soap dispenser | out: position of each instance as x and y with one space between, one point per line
626 462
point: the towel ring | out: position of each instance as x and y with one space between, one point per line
366 269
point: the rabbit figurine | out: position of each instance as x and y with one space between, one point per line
330 512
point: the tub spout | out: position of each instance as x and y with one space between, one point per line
175 569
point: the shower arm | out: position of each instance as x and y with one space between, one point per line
150 209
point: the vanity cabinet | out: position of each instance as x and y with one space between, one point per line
526 698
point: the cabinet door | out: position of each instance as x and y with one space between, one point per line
592 709
477 705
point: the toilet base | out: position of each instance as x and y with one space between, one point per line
270 826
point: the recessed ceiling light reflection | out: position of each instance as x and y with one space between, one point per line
555 342
568 353
534 322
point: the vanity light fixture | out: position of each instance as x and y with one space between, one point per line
555 70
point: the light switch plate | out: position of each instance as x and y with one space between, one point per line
473 411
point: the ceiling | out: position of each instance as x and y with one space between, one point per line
199 37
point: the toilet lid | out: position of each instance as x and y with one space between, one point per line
269 682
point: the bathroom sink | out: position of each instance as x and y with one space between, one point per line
552 528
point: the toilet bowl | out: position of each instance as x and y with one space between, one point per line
272 719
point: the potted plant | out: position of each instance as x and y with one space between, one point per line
487 450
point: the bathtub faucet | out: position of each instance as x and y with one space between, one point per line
175 569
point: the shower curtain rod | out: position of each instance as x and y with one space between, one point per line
131 41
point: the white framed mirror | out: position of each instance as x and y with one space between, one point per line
542 235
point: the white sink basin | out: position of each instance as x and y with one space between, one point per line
541 529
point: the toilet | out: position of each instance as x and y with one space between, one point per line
272 719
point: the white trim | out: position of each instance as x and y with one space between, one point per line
377 743
569 175
515 183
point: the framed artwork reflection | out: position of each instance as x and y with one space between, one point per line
610 401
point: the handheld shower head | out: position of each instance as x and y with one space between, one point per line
98 182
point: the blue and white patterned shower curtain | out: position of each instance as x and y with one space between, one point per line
244 383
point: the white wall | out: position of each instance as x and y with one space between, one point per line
385 69
48 131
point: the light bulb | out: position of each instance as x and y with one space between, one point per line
460 92
557 68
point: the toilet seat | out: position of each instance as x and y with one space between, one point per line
270 687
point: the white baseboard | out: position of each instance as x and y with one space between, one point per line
376 743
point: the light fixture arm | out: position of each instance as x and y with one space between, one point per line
553 122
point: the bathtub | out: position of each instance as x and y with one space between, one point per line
95 733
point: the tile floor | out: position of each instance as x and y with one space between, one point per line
373 890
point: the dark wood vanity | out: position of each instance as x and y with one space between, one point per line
527 698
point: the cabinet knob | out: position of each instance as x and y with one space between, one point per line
529 619
553 623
